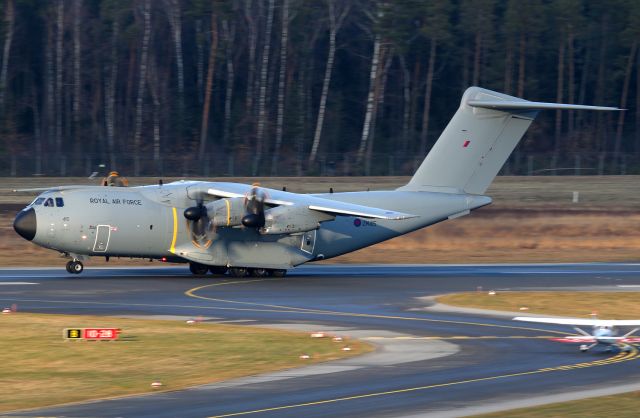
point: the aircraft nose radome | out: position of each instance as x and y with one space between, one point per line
25 224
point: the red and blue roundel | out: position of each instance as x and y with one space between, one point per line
357 222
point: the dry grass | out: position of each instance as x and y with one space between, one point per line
625 405
39 368
608 305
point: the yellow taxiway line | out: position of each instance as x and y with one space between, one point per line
633 354
621 357
289 309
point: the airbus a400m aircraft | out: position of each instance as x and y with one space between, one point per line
249 230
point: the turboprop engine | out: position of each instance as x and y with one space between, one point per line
227 212
292 219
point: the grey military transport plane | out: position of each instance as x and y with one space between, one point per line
248 230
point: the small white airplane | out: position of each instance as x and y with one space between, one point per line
604 331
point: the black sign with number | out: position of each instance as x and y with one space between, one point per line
73 333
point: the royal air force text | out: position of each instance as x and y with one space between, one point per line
105 201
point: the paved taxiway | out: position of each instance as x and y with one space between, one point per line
476 364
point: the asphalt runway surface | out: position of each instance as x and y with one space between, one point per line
429 363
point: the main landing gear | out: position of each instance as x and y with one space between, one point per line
202 269
75 267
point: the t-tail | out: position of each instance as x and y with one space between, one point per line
478 140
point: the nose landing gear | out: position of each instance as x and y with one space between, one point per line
75 267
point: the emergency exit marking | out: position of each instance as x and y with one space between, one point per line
95 334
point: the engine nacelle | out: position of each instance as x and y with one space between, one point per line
292 219
226 212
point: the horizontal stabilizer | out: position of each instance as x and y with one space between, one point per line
527 105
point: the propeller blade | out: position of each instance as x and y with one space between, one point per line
254 207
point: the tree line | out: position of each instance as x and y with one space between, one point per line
286 82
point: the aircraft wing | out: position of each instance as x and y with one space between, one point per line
582 321
319 204
575 339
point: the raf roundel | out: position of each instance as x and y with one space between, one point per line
357 222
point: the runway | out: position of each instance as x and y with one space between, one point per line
429 363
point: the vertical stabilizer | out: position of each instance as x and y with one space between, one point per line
478 140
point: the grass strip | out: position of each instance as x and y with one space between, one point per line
39 368
607 305
625 405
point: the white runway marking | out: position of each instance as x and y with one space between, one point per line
628 285
16 283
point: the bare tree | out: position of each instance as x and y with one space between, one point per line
406 102
142 79
386 58
59 56
624 95
204 130
428 89
229 35
175 21
10 20
77 83
371 97
637 130
252 27
49 82
199 60
338 11
262 113
110 92
559 91
284 40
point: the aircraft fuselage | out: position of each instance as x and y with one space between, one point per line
148 222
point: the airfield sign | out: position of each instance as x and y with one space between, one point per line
94 334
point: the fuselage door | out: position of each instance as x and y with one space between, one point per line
103 233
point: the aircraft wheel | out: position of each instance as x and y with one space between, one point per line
218 270
259 272
198 269
238 271
75 267
279 272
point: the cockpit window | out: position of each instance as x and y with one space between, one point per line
49 202
38 201
59 202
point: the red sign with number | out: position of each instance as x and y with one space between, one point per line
100 333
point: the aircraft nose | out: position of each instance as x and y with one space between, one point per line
25 224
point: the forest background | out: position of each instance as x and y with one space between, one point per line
306 87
